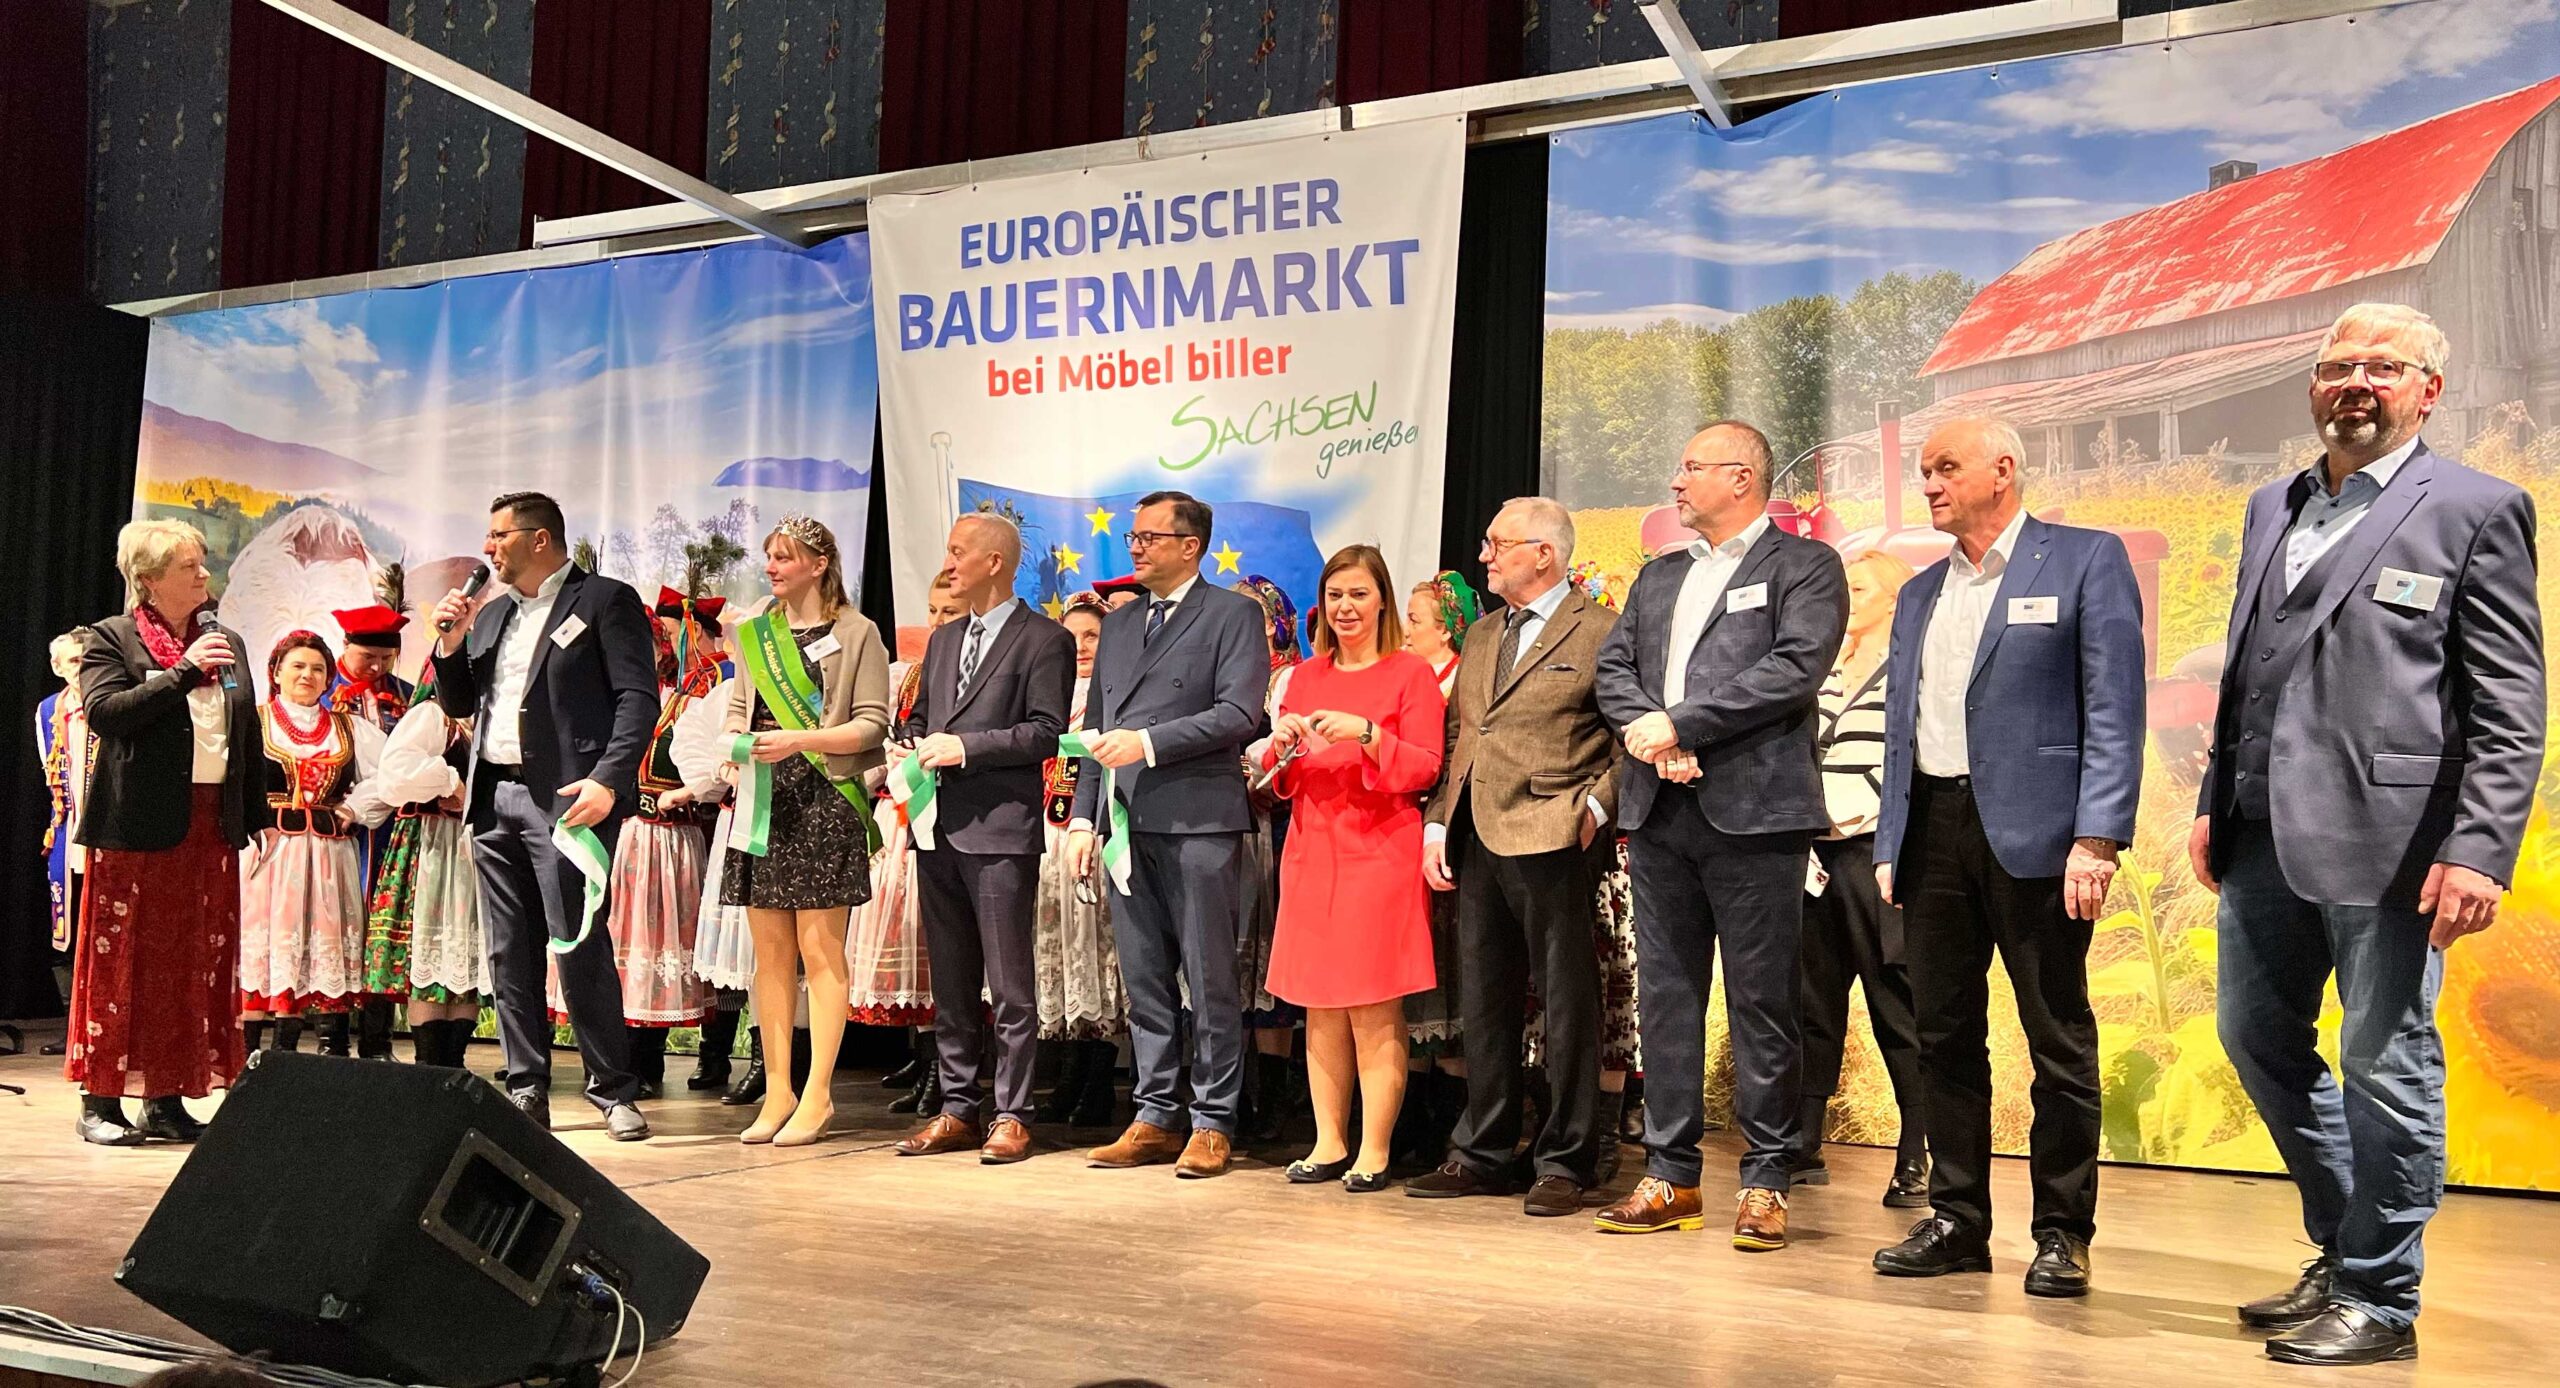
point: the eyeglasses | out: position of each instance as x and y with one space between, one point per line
1141 539
1495 546
2380 373
499 536
1694 469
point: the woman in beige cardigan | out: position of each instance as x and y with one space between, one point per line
815 867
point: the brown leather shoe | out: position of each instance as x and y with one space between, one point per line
1759 1219
1144 1144
944 1134
1007 1141
1551 1196
1655 1206
1206 1155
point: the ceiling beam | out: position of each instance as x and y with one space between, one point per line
1672 32
411 56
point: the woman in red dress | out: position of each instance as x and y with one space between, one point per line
1356 740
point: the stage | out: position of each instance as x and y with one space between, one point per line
847 1264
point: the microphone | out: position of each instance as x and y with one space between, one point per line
204 626
470 589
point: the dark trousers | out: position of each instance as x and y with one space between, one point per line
1957 907
977 910
529 896
2368 1157
1520 918
1851 934
1699 892
1177 927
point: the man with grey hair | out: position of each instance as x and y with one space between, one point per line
2385 664
1529 781
989 708
2012 768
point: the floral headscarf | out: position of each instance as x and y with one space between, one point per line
1280 613
1459 604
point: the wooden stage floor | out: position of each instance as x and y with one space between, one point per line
845 1264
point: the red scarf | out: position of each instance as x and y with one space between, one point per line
167 648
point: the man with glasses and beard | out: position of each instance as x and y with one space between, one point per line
1177 690
2372 769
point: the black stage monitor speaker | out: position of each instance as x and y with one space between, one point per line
402 1222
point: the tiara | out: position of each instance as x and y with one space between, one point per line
808 534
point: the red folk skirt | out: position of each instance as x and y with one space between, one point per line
155 988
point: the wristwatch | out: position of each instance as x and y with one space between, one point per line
1368 731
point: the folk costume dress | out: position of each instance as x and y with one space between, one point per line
1354 923
1076 962
891 984
1432 1016
422 932
658 863
724 950
65 748
302 892
1259 899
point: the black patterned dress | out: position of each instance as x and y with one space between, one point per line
817 857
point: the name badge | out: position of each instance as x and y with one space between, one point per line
568 631
2041 612
823 647
1745 599
2401 588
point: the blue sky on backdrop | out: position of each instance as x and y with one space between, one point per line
1972 170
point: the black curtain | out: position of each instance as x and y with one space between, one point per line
1496 363
70 422
876 600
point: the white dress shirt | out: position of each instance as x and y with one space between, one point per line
1947 649
2325 520
503 741
1711 567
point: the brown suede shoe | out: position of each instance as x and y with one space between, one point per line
1144 1144
1007 1141
1207 1155
1655 1206
1760 1219
944 1134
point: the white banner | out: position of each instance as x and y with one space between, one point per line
1264 328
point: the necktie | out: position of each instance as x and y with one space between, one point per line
1157 611
1511 624
969 656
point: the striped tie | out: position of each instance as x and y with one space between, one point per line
969 656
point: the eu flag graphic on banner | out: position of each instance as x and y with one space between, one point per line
1071 542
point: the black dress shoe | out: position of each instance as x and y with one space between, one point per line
1807 1169
1910 1188
1366 1182
1936 1247
2298 1304
750 1086
105 1132
167 1120
534 1104
1551 1196
1453 1179
1316 1173
2061 1267
906 1076
2343 1336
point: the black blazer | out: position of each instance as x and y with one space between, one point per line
589 705
142 782
1751 708
1008 725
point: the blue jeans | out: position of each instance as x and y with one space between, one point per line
2367 1156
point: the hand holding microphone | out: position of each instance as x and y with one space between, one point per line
453 614
211 652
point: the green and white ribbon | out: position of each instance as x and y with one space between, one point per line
911 789
1115 845
586 852
751 818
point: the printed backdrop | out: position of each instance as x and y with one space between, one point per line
676 405
1266 329
2132 256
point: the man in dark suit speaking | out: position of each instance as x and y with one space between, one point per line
1177 691
988 711
1713 680
560 675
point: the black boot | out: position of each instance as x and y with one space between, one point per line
1069 1090
712 1063
253 1037
1631 1117
926 1097
427 1044
333 1033
373 1030
168 1120
289 1032
750 1086
1099 1105
1805 1166
1259 1112
1612 1148
102 1122
1407 1147
648 1058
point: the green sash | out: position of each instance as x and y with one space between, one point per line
771 655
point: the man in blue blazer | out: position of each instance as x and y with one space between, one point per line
1712 680
2013 761
2372 769
1178 684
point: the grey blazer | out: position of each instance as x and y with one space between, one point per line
1196 691
2403 737
855 682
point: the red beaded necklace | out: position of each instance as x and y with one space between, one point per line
317 737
